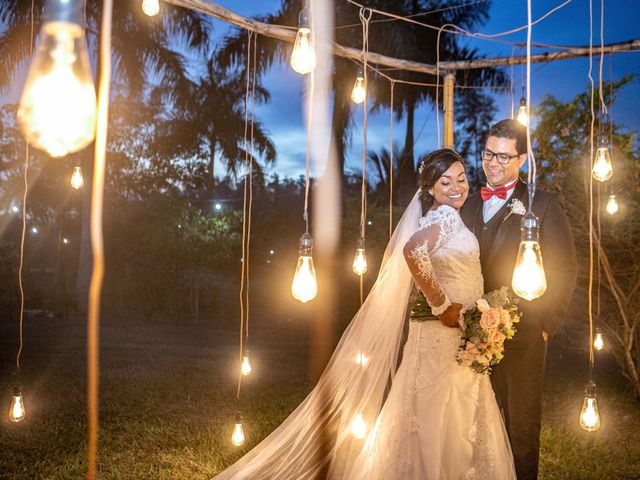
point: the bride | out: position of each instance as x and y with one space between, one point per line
430 419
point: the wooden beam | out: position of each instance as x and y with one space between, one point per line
288 35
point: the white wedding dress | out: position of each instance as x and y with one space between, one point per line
440 420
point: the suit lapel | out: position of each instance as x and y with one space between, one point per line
511 224
473 214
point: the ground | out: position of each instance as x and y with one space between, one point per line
168 398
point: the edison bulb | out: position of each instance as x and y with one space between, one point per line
612 205
598 341
304 286
151 7
359 266
57 110
303 56
523 116
16 409
246 366
237 438
529 280
359 92
589 416
359 427
77 180
602 168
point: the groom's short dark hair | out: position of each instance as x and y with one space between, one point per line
511 129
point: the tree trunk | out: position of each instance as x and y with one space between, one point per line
407 181
211 179
85 259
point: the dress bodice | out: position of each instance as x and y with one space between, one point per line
456 258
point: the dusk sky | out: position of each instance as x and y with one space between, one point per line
282 116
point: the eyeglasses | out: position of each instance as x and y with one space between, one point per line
503 158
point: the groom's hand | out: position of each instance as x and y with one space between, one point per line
451 316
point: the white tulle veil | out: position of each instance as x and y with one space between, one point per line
315 441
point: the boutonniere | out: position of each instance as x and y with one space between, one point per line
516 207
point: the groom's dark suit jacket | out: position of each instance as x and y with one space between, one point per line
499 240
517 379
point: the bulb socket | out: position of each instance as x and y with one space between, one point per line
361 243
523 102
64 11
17 390
303 19
529 228
590 389
306 244
238 417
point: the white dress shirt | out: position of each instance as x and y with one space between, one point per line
495 203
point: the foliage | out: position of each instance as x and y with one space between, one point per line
563 151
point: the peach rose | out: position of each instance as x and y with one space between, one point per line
497 336
490 319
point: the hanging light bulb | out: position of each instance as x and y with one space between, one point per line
529 280
360 260
305 286
523 116
359 92
598 341
77 180
237 438
16 409
303 56
245 368
589 416
602 167
151 7
57 110
612 205
359 426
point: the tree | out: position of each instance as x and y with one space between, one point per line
562 153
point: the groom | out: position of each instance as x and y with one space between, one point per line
494 217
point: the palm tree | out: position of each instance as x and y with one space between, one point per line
142 51
209 117
419 43
393 38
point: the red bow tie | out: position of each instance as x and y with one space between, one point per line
501 192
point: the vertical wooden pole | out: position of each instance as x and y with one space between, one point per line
447 140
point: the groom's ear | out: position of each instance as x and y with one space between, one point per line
521 159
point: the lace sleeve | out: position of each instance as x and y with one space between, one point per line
435 228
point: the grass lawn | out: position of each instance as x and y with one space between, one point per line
168 399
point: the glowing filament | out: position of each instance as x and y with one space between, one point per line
77 180
529 280
598 341
237 438
304 286
359 92
523 116
58 105
16 409
360 262
150 7
612 205
246 366
589 416
602 168
303 56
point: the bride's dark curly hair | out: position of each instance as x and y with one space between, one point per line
432 167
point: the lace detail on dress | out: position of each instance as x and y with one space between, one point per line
481 435
447 218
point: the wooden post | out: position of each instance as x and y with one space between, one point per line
447 134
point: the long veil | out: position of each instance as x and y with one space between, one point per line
315 441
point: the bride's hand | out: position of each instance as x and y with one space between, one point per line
451 316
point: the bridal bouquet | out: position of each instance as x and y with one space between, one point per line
486 328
